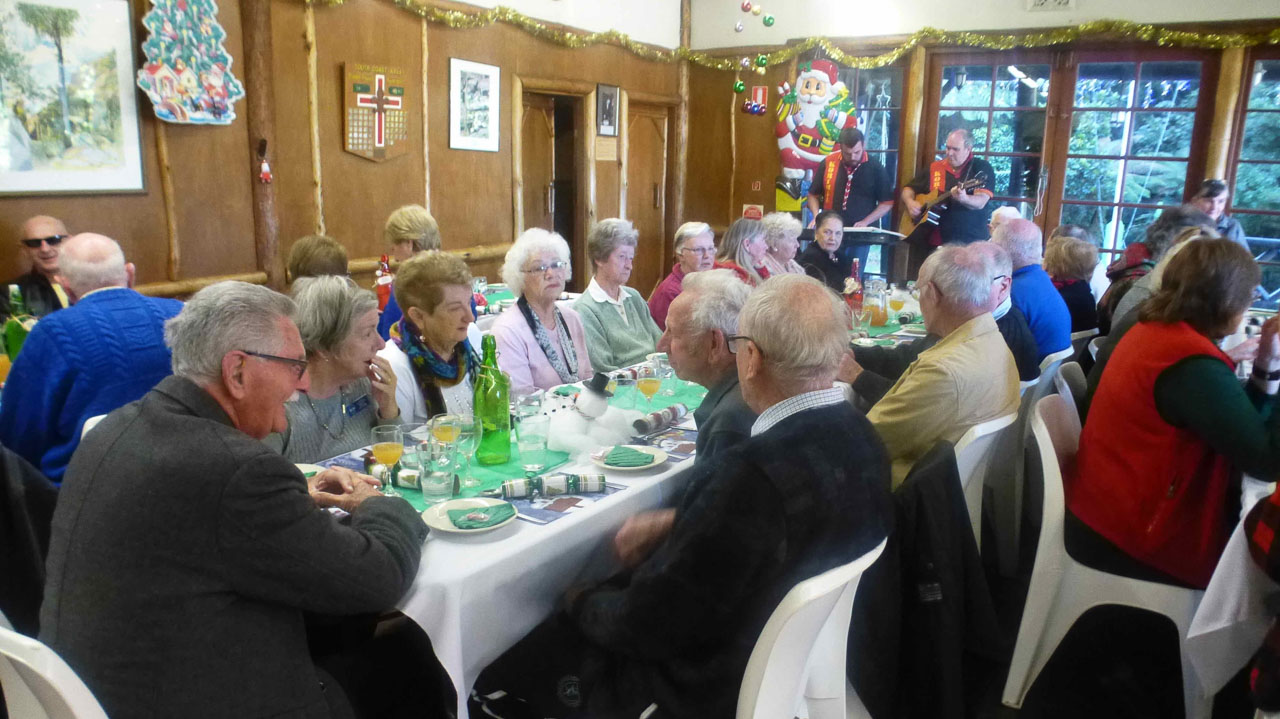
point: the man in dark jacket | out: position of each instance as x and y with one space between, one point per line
783 506
40 237
184 551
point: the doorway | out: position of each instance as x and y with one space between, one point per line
549 168
647 131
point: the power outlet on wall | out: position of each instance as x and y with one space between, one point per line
1050 5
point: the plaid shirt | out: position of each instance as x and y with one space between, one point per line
1260 526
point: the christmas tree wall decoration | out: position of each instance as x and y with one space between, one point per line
187 74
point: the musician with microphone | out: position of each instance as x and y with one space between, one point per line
954 192
853 184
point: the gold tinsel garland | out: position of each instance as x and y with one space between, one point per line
459 19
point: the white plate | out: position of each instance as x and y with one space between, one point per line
437 516
309 468
658 457
496 286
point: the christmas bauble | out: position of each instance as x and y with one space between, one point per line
769 20
745 63
761 61
739 86
759 70
738 28
756 10
746 6
748 106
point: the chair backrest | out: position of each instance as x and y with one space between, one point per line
776 671
973 454
1095 344
1056 428
1081 338
39 685
1055 358
91 423
1071 384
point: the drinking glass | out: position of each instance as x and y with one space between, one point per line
624 393
479 285
648 382
863 318
445 430
413 433
666 374
531 440
469 431
388 446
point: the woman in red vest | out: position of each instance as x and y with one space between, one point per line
1154 490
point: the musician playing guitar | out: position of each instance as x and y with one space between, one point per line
964 215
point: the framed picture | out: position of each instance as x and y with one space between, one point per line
607 110
474 90
67 100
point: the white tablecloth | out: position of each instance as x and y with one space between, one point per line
477 596
1232 619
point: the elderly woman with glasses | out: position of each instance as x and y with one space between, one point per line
695 252
433 362
351 389
540 344
782 236
620 331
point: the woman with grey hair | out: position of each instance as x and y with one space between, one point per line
620 331
695 252
742 249
409 230
540 344
782 236
352 389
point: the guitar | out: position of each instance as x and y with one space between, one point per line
931 212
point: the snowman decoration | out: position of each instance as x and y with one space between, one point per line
586 422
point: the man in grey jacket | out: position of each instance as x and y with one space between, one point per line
184 552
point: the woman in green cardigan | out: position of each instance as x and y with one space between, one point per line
620 330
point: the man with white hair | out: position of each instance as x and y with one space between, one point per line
967 378
1001 215
1033 291
184 551
102 353
39 238
699 324
807 492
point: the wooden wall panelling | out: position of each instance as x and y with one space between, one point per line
1226 101
359 194
586 194
679 169
261 116
293 162
517 155
624 134
313 117
757 144
170 206
707 187
426 143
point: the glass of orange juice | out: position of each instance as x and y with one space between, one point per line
648 382
388 445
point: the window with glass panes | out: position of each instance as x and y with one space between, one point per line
877 97
1003 106
1255 196
1132 126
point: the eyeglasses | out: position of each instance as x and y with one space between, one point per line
558 266
731 339
300 365
52 240
699 250
997 278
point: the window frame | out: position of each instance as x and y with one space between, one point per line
1236 147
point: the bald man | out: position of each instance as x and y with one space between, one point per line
101 353
39 239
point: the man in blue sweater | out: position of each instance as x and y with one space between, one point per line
1033 292
100 354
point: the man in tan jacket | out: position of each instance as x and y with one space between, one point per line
967 378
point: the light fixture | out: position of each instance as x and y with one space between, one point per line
961 75
1259 72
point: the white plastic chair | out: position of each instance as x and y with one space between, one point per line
1079 339
805 637
39 685
1094 345
1062 589
1071 384
973 455
1055 358
90 424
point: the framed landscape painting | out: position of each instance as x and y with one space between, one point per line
68 108
473 105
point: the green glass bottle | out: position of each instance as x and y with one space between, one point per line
491 408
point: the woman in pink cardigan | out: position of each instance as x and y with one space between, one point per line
540 344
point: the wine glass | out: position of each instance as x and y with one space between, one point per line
863 318
648 382
666 374
469 431
388 446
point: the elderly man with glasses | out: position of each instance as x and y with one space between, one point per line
39 239
185 553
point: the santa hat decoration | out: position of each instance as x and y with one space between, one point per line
823 69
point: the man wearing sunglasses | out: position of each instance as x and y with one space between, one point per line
40 240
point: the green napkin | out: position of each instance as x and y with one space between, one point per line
623 456
495 515
565 390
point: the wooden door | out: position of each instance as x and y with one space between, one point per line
646 192
538 159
